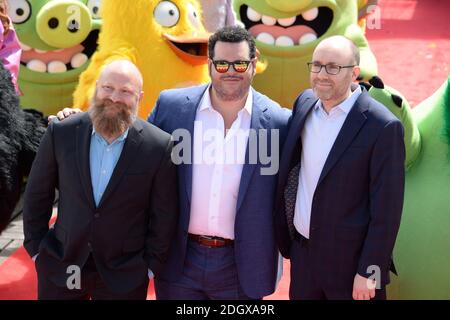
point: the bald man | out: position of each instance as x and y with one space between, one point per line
341 183
118 203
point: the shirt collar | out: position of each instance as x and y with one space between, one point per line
205 103
348 103
121 138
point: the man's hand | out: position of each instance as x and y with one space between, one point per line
363 288
64 113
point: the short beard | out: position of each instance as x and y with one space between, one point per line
236 95
323 95
107 124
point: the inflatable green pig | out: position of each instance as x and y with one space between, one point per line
287 32
57 37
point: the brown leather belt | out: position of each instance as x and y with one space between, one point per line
209 241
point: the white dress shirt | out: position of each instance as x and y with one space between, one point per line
218 160
318 136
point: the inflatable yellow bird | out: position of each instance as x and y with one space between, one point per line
165 39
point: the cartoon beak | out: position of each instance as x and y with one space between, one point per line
191 48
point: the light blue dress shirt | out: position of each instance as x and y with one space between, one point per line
103 158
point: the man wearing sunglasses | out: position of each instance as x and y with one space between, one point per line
341 183
224 247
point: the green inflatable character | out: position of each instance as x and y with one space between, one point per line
57 37
422 250
286 33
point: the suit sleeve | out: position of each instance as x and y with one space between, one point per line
40 194
387 182
164 212
152 118
282 231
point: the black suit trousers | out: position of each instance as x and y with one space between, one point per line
91 287
306 281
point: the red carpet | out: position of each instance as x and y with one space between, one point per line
18 280
413 52
412 46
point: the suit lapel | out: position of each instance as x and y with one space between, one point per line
187 116
83 144
129 153
259 121
355 120
303 112
295 129
296 126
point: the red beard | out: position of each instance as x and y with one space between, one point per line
110 118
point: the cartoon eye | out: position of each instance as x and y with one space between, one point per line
19 10
166 14
94 6
193 15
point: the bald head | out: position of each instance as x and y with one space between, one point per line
124 68
342 46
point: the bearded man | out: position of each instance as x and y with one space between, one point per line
118 202
224 246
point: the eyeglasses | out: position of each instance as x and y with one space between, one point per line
332 69
223 66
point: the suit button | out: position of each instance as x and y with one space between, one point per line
97 215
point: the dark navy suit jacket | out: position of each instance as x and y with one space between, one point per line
256 253
358 200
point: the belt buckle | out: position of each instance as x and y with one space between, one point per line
214 240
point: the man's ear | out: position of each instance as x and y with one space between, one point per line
210 67
141 96
254 63
356 72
